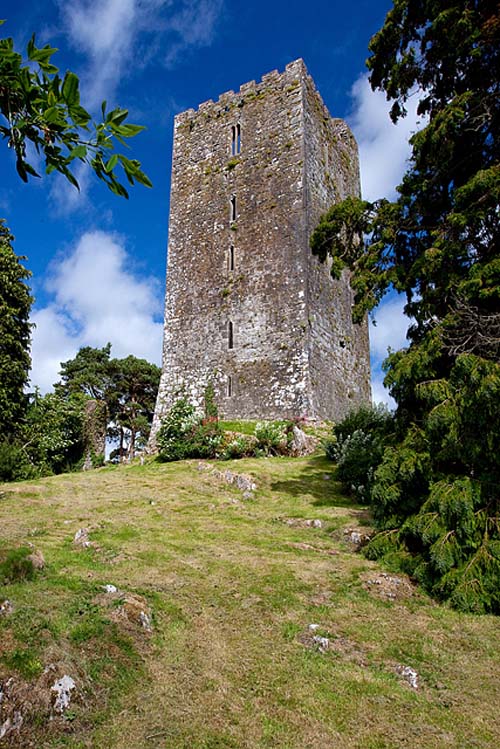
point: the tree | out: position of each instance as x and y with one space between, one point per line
124 391
434 492
38 106
15 334
133 397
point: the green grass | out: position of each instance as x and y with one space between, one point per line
233 588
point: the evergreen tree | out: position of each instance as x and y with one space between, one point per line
15 334
436 492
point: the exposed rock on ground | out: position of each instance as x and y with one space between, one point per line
302 523
302 443
390 587
408 674
61 691
240 480
357 537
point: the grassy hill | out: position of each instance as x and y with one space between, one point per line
207 644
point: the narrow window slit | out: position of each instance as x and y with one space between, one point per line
231 257
229 386
230 338
235 139
233 207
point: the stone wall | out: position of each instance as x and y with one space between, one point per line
239 265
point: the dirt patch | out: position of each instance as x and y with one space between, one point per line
389 587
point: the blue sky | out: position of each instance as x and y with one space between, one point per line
98 261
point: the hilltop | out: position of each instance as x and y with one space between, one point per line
207 641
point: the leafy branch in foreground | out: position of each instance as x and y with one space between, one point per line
40 107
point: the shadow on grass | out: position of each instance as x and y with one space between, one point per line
317 481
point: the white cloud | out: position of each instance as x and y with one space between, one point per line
380 394
95 299
390 328
383 146
388 333
120 36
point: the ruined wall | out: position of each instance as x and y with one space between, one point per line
253 270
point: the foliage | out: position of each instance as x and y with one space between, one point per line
14 463
125 388
53 434
132 400
15 565
184 435
272 437
15 334
209 405
438 244
237 446
357 447
40 107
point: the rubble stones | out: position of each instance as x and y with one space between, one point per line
62 691
81 538
408 674
37 559
356 537
302 443
6 607
390 587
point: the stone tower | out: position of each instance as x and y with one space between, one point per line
248 307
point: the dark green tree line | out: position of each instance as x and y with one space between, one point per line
435 492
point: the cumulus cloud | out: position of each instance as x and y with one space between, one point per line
96 298
119 36
383 147
384 151
389 332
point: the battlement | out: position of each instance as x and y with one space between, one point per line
295 73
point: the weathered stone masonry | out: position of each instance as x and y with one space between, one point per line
248 307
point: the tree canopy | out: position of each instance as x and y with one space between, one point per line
436 490
15 333
40 107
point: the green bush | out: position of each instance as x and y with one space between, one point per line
437 489
185 434
14 464
15 565
357 446
237 446
272 437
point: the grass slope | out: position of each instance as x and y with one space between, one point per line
233 587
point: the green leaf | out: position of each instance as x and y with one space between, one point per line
79 152
70 90
79 115
111 163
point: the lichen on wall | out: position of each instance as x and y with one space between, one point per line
247 307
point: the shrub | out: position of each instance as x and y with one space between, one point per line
237 446
15 565
184 434
357 446
14 464
271 437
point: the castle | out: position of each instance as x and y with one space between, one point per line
248 308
